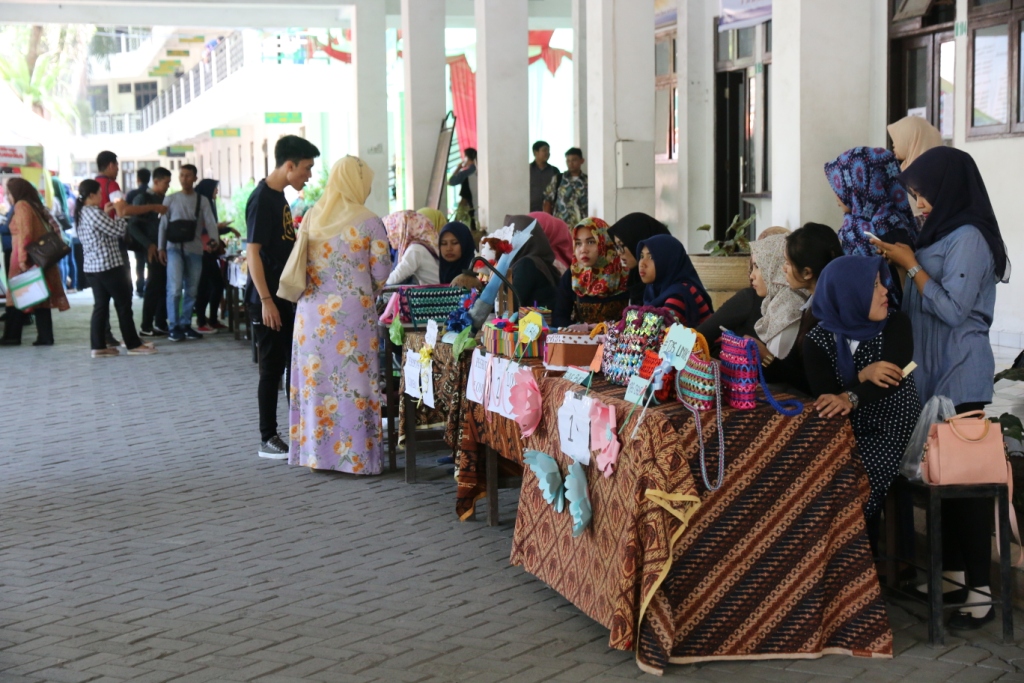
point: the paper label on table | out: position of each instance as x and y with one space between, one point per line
678 345
430 339
427 383
574 427
499 399
636 390
595 364
477 377
576 375
411 371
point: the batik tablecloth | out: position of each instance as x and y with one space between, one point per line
450 377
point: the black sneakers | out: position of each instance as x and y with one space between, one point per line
274 448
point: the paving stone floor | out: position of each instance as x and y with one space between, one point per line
143 540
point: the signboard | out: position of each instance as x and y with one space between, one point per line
168 63
177 53
177 150
226 133
742 13
283 117
21 156
191 39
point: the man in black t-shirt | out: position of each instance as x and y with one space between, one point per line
270 237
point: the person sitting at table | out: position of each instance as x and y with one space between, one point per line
559 238
854 358
434 216
413 237
628 232
457 250
782 307
672 281
593 290
808 250
532 271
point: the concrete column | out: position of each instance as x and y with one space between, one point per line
370 132
423 58
503 143
821 106
696 115
620 107
579 71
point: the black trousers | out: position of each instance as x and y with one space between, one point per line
106 286
211 290
154 301
140 271
274 354
967 532
16 319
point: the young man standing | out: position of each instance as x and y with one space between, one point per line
541 175
142 185
465 175
568 192
270 237
184 259
145 230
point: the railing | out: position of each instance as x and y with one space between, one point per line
225 59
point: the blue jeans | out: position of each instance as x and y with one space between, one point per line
181 270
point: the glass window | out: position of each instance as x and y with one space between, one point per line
1020 75
983 3
917 78
725 51
98 98
662 112
768 36
745 47
674 125
991 77
123 88
947 75
663 58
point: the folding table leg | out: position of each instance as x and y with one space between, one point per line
935 633
410 440
1005 572
491 464
391 397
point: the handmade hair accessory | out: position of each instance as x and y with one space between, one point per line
549 478
578 497
526 401
741 374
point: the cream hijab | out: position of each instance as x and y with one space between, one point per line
912 136
341 205
781 306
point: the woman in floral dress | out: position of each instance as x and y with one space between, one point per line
335 373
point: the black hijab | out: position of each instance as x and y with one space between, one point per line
949 179
537 248
449 270
631 230
206 187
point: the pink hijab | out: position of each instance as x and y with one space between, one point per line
560 237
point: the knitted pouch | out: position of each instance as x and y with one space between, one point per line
698 384
741 374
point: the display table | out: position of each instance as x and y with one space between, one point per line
775 564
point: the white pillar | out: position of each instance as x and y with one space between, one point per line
821 106
579 71
503 143
620 107
695 73
423 57
370 131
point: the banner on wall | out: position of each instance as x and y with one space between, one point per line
742 13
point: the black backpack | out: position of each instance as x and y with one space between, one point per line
182 231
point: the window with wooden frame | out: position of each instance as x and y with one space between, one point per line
995 74
666 98
922 62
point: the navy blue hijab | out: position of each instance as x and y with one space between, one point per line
842 301
674 274
449 270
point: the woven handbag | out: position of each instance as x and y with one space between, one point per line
741 374
641 329
698 384
420 303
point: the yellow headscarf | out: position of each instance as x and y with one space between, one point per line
341 205
435 216
912 136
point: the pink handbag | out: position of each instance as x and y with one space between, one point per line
967 450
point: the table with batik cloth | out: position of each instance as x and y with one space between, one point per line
774 564
450 375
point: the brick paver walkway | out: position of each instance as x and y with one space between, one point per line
143 540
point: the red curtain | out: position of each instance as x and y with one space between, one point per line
463 100
552 56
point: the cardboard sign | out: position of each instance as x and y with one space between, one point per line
678 345
412 370
574 427
595 364
636 390
477 377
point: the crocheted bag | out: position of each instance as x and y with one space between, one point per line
741 373
420 303
698 384
641 328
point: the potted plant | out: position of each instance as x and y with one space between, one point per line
724 276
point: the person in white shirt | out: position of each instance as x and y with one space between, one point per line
414 239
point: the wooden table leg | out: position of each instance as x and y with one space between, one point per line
1005 571
934 522
391 398
491 465
410 440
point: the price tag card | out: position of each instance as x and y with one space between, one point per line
678 345
595 364
530 327
430 339
450 337
412 371
427 383
636 390
577 375
574 427
477 377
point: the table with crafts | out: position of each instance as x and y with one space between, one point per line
773 564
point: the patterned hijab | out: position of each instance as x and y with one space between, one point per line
606 277
406 228
866 179
674 274
781 306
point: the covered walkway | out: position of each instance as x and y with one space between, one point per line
141 539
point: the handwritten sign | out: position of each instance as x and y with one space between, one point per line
577 375
574 427
530 327
678 345
477 377
412 371
431 337
636 390
427 382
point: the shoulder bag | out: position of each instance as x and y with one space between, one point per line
184 230
49 249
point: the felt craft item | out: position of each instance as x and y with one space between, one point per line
549 478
